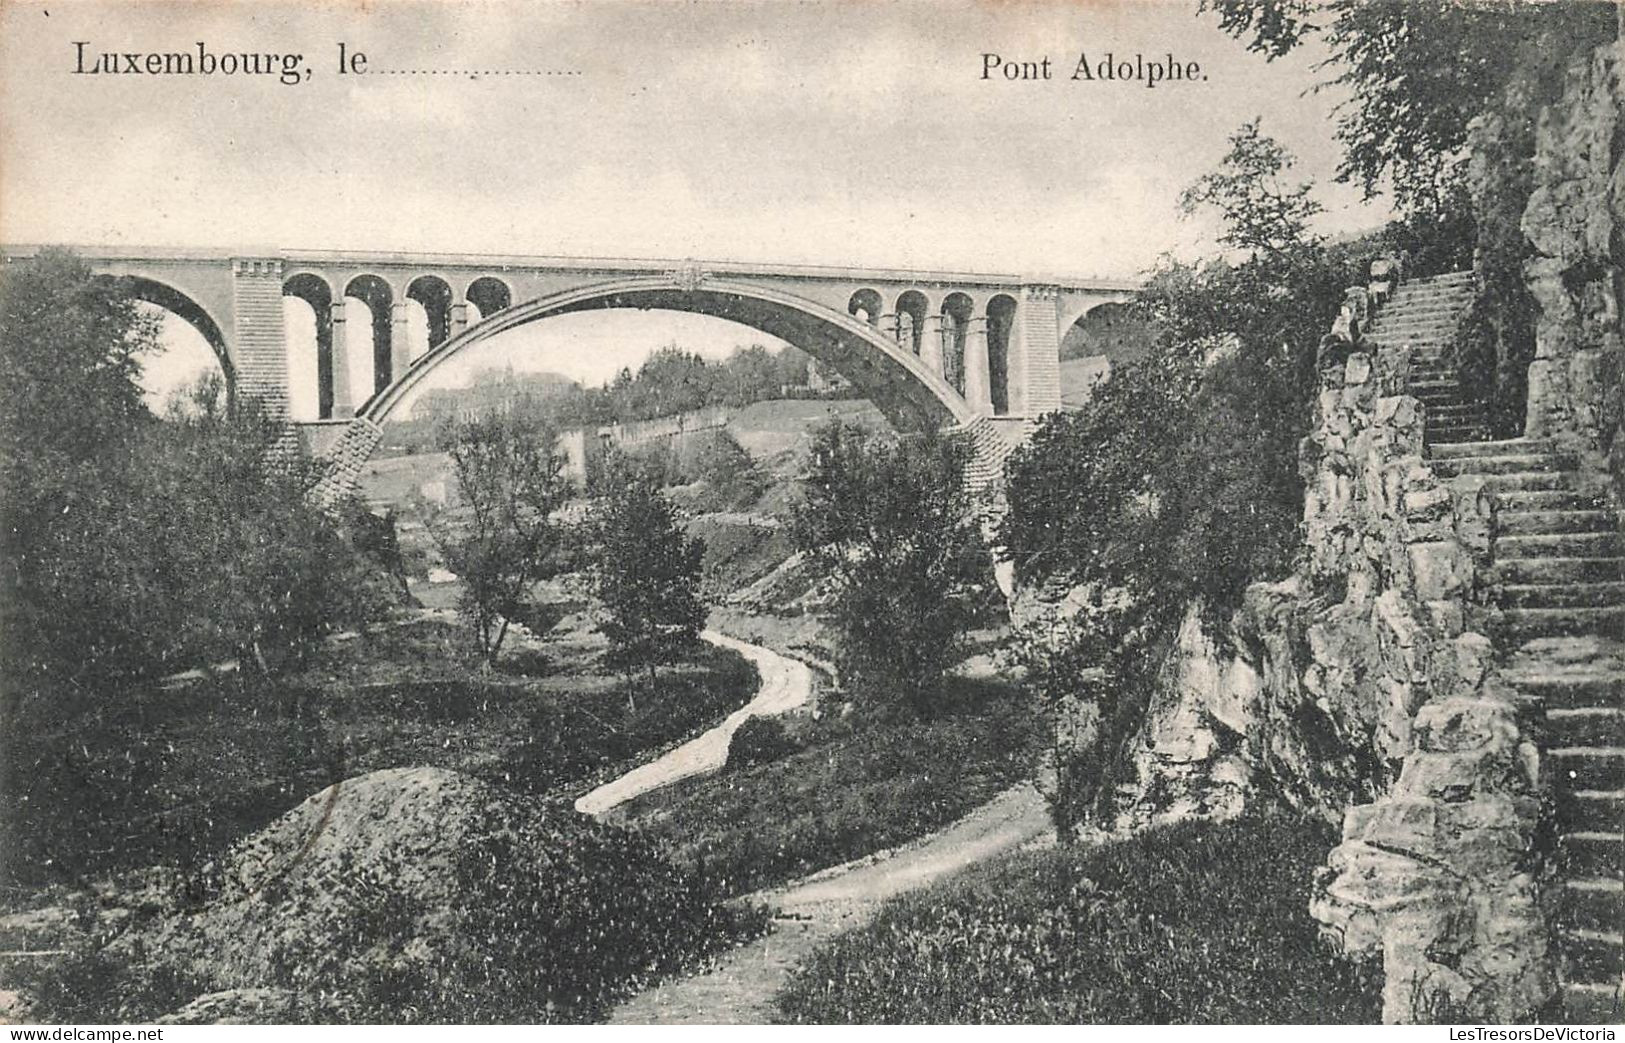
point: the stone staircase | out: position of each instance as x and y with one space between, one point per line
1558 580
1422 318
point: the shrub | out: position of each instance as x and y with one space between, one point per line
893 527
855 789
759 740
1197 923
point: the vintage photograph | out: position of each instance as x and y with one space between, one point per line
1085 512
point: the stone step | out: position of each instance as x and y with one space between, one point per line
1535 570
1591 902
1546 500
1587 954
1587 854
1559 545
1593 1003
1605 594
1499 447
1455 432
1512 463
1534 523
1526 481
1589 768
1590 811
1438 325
1525 623
1570 689
1586 725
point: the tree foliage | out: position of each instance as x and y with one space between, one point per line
1261 212
647 572
1177 484
135 544
503 537
1417 72
892 525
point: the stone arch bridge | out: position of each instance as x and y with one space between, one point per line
973 351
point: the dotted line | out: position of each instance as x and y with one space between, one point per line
476 72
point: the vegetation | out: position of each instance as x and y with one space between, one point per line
891 523
555 919
670 381
759 740
1177 484
1198 923
1418 73
136 545
646 573
849 790
147 776
510 482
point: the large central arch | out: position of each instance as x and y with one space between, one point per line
912 395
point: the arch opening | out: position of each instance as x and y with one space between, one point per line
911 312
490 295
189 337
433 295
911 396
1001 317
957 309
313 291
865 305
379 299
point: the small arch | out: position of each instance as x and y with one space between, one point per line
957 309
314 291
1114 330
434 294
489 294
912 309
376 294
194 314
866 305
1001 319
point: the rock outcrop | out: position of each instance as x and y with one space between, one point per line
1573 222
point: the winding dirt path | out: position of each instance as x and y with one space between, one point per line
786 684
739 990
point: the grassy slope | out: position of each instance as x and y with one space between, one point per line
854 789
1196 923
154 776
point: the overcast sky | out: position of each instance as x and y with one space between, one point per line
824 132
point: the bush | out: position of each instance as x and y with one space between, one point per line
423 896
1198 923
759 740
892 525
855 789
729 471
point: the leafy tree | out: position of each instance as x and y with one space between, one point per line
263 571
134 544
647 573
1262 214
1417 73
731 473
504 538
892 525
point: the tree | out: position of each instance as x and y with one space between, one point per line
503 537
261 571
647 573
1261 213
134 544
1417 73
891 524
